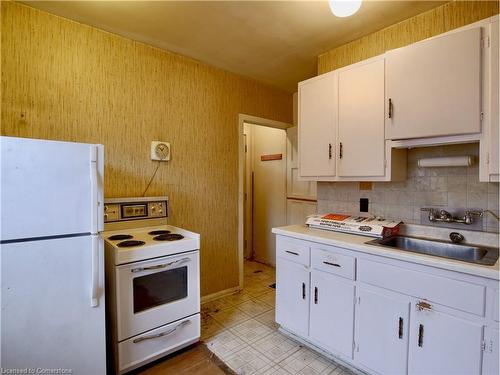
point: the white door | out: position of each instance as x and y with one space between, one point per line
435 337
52 301
269 189
292 296
433 88
381 332
317 126
332 312
361 141
52 188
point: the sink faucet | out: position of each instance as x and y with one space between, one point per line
444 216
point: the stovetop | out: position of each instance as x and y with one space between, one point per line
131 245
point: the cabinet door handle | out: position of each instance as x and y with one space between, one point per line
400 328
390 108
303 290
329 151
315 295
291 252
420 335
332 264
340 150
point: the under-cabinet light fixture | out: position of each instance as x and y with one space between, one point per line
447 161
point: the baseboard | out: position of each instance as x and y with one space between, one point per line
220 294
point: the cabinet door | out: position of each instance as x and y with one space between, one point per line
381 332
444 344
332 312
434 87
491 352
292 296
361 150
317 126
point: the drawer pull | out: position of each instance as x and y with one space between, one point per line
400 328
158 335
420 335
292 252
158 266
315 295
332 264
303 291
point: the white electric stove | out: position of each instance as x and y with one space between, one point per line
152 281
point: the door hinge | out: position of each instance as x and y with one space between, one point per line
482 116
359 300
246 149
487 346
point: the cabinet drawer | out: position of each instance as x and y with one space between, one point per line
332 262
457 294
295 250
158 342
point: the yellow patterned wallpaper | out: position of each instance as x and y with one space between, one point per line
67 81
433 22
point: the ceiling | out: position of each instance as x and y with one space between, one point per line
276 42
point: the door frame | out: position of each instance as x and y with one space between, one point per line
242 119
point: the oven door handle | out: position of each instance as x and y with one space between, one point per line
166 333
158 266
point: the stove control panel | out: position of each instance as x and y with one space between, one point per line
123 210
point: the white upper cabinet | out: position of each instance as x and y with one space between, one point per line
494 99
317 125
433 88
361 141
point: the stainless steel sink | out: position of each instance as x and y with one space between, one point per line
467 253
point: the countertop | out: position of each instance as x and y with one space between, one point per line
358 243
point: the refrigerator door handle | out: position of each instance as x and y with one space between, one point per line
94 302
94 192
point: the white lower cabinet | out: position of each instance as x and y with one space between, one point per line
329 296
443 344
332 312
292 296
382 320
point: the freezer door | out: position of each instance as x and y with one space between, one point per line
52 301
50 188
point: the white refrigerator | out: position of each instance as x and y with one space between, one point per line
52 257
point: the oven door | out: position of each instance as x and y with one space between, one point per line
155 292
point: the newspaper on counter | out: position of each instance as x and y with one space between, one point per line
367 226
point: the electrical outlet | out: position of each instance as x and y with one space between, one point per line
363 205
160 151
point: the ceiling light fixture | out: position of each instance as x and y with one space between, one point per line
344 8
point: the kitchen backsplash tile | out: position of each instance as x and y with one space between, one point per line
448 188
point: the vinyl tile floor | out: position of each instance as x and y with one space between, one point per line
241 333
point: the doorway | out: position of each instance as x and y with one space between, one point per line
262 205
265 190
